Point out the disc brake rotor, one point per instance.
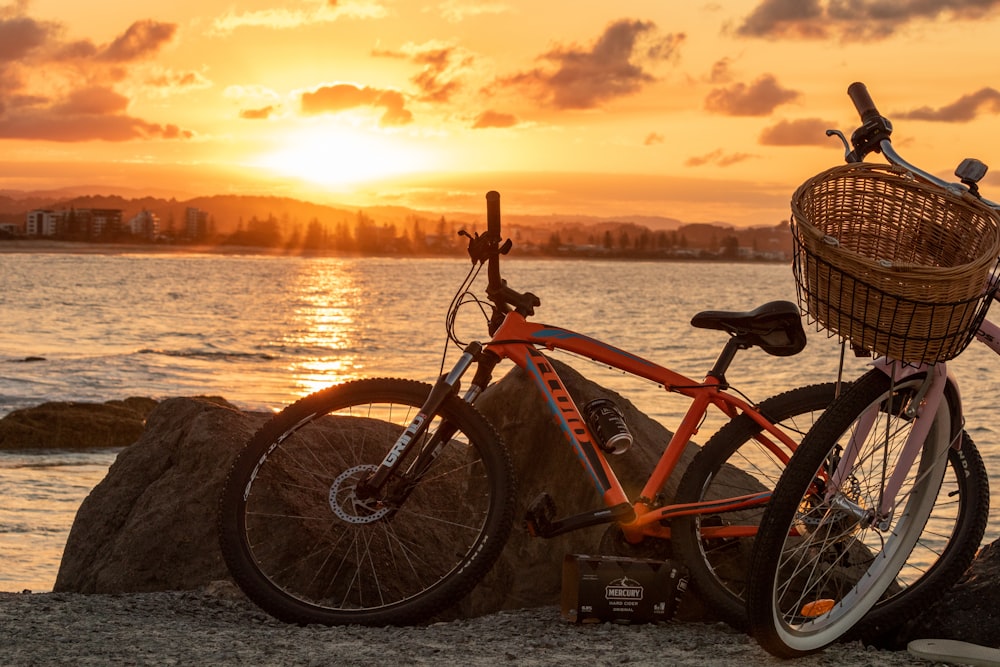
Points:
(344, 500)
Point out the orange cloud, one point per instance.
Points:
(719, 158)
(965, 109)
(308, 13)
(615, 66)
(258, 114)
(94, 100)
(801, 132)
(53, 126)
(21, 35)
(442, 67)
(720, 72)
(757, 99)
(345, 96)
(62, 91)
(141, 39)
(489, 119)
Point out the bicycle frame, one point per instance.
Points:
(518, 340)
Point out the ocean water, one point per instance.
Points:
(263, 331)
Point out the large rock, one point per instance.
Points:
(529, 570)
(149, 525)
(73, 425)
(969, 612)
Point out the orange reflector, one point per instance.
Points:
(817, 608)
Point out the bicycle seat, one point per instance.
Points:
(775, 327)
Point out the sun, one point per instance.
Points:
(333, 156)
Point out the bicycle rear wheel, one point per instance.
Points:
(719, 568)
(738, 460)
(822, 560)
(305, 546)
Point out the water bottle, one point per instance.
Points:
(607, 424)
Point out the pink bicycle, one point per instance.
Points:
(901, 267)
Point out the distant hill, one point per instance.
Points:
(229, 210)
(228, 214)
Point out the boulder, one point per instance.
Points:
(969, 612)
(75, 425)
(528, 572)
(149, 525)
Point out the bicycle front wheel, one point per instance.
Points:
(307, 547)
(827, 550)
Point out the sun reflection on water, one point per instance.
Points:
(325, 326)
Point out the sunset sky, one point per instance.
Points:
(701, 110)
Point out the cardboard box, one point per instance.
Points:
(624, 590)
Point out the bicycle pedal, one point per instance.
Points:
(539, 516)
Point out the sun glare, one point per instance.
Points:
(335, 156)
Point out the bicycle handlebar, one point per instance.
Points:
(495, 282)
(488, 248)
(874, 137)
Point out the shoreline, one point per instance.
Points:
(218, 626)
(27, 246)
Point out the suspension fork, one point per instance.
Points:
(429, 447)
(922, 409)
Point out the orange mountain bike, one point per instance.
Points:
(336, 510)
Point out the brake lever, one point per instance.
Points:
(843, 139)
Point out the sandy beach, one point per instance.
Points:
(217, 626)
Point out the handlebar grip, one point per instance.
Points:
(863, 102)
(493, 213)
(495, 282)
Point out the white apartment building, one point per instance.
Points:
(43, 222)
(145, 224)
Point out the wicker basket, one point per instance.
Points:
(898, 267)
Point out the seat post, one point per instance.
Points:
(733, 345)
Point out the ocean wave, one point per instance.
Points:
(208, 354)
(25, 529)
(57, 458)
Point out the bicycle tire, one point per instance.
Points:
(819, 566)
(718, 568)
(304, 548)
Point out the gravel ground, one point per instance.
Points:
(219, 627)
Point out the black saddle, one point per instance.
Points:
(775, 327)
